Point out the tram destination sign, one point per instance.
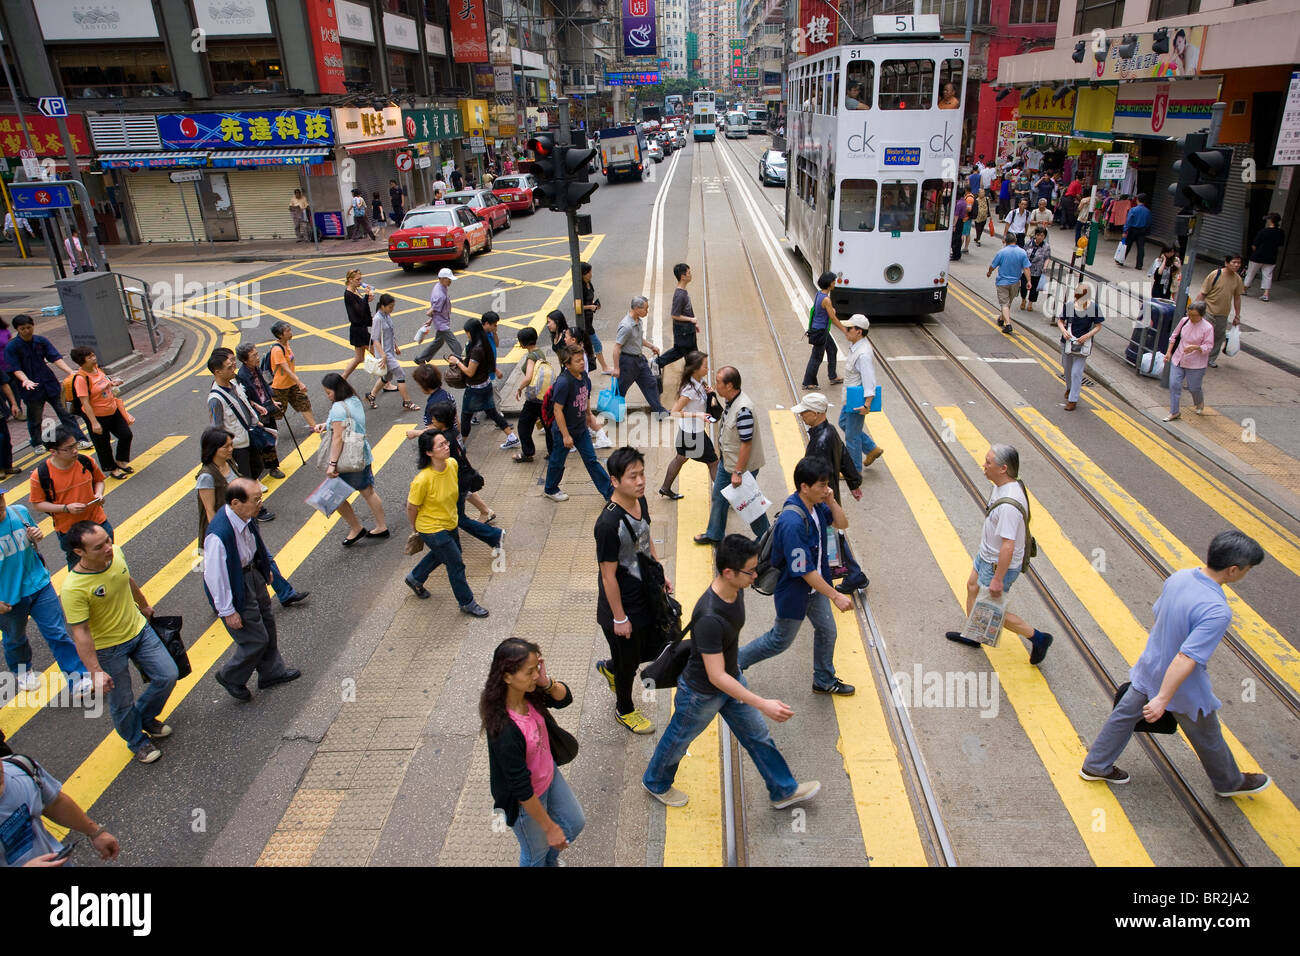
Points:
(901, 156)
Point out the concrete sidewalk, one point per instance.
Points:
(1260, 390)
(1270, 330)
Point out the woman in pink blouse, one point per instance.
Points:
(1188, 354)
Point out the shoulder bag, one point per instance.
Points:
(352, 456)
(1031, 546)
(665, 611)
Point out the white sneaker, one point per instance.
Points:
(85, 445)
(511, 442)
(29, 680)
(83, 687)
(806, 791)
(601, 440)
(558, 496)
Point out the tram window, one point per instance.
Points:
(858, 205)
(833, 88)
(861, 80)
(906, 84)
(950, 84)
(936, 204)
(897, 206)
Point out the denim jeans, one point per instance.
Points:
(692, 713)
(280, 585)
(782, 635)
(444, 548)
(63, 538)
(36, 401)
(856, 439)
(151, 657)
(718, 509)
(582, 442)
(562, 807)
(44, 608)
(479, 400)
(1072, 364)
(476, 529)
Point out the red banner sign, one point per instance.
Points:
(818, 27)
(43, 133)
(323, 23)
(468, 32)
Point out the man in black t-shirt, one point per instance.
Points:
(622, 609)
(712, 684)
(574, 423)
(685, 328)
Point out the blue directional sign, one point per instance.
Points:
(53, 106)
(39, 201)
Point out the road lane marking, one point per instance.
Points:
(1045, 724)
(22, 490)
(1272, 813)
(89, 781)
(1271, 647)
(886, 818)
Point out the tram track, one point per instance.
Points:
(1202, 818)
(917, 778)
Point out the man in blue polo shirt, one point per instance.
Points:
(1136, 224)
(27, 354)
(804, 589)
(1011, 263)
(1192, 614)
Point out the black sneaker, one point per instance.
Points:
(956, 638)
(1114, 776)
(1041, 643)
(839, 689)
(419, 589)
(1250, 783)
(858, 583)
(276, 473)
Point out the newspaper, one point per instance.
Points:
(985, 621)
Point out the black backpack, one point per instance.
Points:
(769, 573)
(47, 483)
(266, 359)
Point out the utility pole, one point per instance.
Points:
(571, 217)
(22, 128)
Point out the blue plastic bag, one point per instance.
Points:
(612, 404)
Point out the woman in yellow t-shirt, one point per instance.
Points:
(431, 509)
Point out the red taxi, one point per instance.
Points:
(484, 205)
(438, 234)
(516, 192)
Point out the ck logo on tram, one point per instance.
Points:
(861, 144)
(942, 142)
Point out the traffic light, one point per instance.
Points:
(577, 188)
(1202, 175)
(545, 167)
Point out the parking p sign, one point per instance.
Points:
(53, 106)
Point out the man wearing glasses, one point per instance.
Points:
(712, 684)
(69, 488)
(236, 572)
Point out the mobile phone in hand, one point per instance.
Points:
(67, 850)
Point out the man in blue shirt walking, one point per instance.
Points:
(1011, 263)
(1136, 225)
(1191, 617)
(804, 590)
(27, 354)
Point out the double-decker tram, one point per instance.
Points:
(704, 115)
(874, 140)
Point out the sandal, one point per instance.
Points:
(411, 406)
(119, 475)
(836, 381)
(126, 468)
(371, 400)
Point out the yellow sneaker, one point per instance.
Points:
(603, 669)
(636, 722)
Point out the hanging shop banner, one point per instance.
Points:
(474, 113)
(400, 32)
(1287, 152)
(639, 28)
(233, 18)
(435, 40)
(102, 20)
(263, 130)
(1166, 110)
(484, 78)
(432, 125)
(818, 28)
(503, 76)
(1094, 112)
(468, 32)
(1183, 59)
(1006, 138)
(1043, 113)
(43, 134)
(633, 79)
(325, 46)
(355, 21)
(365, 125)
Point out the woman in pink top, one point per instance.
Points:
(1194, 337)
(524, 746)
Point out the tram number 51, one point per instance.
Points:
(904, 24)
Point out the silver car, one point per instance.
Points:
(772, 168)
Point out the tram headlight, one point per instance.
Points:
(894, 273)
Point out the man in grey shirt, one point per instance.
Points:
(685, 327)
(629, 358)
(439, 321)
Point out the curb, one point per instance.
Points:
(1105, 377)
(170, 356)
(243, 257)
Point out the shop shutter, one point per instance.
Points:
(261, 200)
(1162, 203)
(160, 205)
(374, 170)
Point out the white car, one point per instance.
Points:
(772, 168)
(654, 151)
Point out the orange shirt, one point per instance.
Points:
(102, 399)
(281, 364)
(74, 485)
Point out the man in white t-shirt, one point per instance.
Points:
(1002, 546)
(987, 175)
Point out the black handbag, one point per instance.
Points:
(564, 746)
(663, 610)
(168, 630)
(1167, 724)
(666, 669)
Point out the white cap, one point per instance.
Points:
(858, 321)
(812, 402)
(446, 274)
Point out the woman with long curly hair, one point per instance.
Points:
(515, 710)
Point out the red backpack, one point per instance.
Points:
(548, 407)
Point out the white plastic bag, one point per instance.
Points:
(1232, 344)
(1153, 364)
(374, 365)
(1120, 252)
(985, 621)
(329, 494)
(746, 498)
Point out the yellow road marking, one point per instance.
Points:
(89, 781)
(23, 489)
(1272, 813)
(1151, 439)
(1050, 733)
(1271, 647)
(693, 833)
(889, 831)
(23, 707)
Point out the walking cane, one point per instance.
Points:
(292, 435)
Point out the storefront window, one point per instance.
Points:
(936, 204)
(1034, 11)
(401, 71)
(1091, 14)
(898, 207)
(126, 69)
(358, 65)
(906, 84)
(858, 205)
(245, 66)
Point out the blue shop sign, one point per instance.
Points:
(261, 130)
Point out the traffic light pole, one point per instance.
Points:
(571, 218)
(1189, 262)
